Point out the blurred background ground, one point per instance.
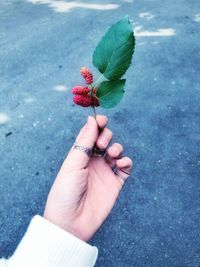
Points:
(43, 44)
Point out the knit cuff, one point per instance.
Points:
(46, 245)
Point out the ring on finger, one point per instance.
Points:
(116, 172)
(85, 149)
(128, 173)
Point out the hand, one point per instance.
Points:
(86, 189)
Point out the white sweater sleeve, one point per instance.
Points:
(46, 245)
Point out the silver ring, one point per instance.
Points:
(85, 149)
(116, 172)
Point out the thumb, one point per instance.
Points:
(88, 134)
(77, 158)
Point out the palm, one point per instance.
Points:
(103, 184)
(103, 188)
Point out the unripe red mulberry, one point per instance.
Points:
(82, 100)
(87, 75)
(80, 90)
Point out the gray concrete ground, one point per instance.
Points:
(156, 221)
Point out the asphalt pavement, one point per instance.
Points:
(43, 44)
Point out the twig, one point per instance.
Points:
(94, 111)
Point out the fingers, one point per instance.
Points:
(115, 150)
(105, 135)
(86, 138)
(88, 134)
(101, 121)
(121, 166)
(78, 159)
(124, 166)
(104, 138)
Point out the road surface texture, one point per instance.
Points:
(43, 44)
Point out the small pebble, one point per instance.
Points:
(8, 134)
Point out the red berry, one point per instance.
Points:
(84, 71)
(82, 100)
(87, 75)
(95, 101)
(80, 90)
(89, 79)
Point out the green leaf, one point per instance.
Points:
(110, 93)
(113, 54)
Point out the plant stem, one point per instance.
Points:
(94, 111)
(97, 81)
(91, 95)
(96, 151)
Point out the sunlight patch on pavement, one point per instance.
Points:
(128, 1)
(21, 116)
(29, 100)
(62, 6)
(4, 118)
(146, 15)
(141, 43)
(197, 17)
(159, 33)
(60, 88)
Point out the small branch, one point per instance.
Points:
(91, 95)
(94, 111)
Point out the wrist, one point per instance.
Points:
(68, 227)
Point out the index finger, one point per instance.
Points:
(102, 121)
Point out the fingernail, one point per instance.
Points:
(103, 142)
